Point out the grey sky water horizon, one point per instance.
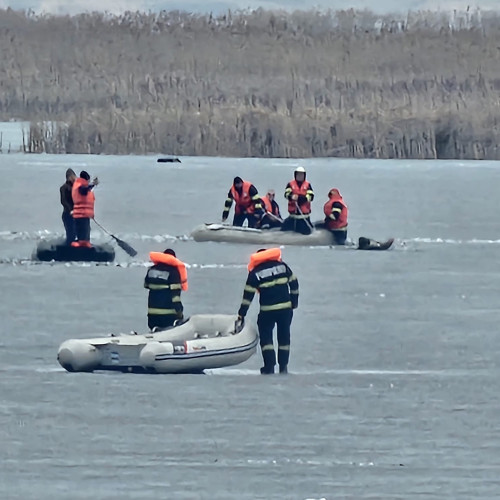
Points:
(63, 7)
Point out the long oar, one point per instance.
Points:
(122, 244)
(302, 213)
(274, 217)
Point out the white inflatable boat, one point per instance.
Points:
(319, 237)
(203, 341)
(235, 234)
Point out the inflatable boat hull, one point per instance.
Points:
(234, 234)
(202, 342)
(57, 250)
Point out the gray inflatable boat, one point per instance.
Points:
(203, 341)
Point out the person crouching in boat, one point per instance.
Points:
(165, 280)
(279, 295)
(271, 217)
(336, 213)
(83, 208)
(299, 194)
(247, 203)
(67, 203)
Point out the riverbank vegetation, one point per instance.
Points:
(255, 83)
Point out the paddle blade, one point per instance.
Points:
(126, 247)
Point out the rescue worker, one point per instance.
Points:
(247, 203)
(336, 213)
(299, 194)
(272, 216)
(165, 280)
(279, 295)
(67, 203)
(83, 208)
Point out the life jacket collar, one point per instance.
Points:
(170, 260)
(258, 258)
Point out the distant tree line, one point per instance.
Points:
(255, 83)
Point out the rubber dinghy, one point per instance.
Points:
(235, 234)
(49, 250)
(319, 237)
(203, 341)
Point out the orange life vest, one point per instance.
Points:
(267, 204)
(83, 204)
(170, 260)
(260, 257)
(341, 221)
(243, 202)
(302, 190)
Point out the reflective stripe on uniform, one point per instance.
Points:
(279, 281)
(284, 347)
(250, 289)
(337, 213)
(267, 347)
(246, 302)
(176, 298)
(157, 287)
(299, 216)
(277, 307)
(155, 310)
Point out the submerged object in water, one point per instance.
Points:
(371, 244)
(168, 160)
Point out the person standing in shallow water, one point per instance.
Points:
(67, 203)
(165, 280)
(279, 295)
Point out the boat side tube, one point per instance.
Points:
(79, 356)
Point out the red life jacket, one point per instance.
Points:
(341, 221)
(243, 202)
(302, 190)
(83, 204)
(260, 257)
(170, 260)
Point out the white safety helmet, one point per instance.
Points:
(300, 169)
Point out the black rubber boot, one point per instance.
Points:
(269, 357)
(267, 370)
(283, 369)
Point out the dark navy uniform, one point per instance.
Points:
(247, 203)
(164, 302)
(279, 295)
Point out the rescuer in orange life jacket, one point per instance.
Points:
(336, 213)
(272, 216)
(299, 194)
(279, 294)
(83, 208)
(248, 204)
(165, 280)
